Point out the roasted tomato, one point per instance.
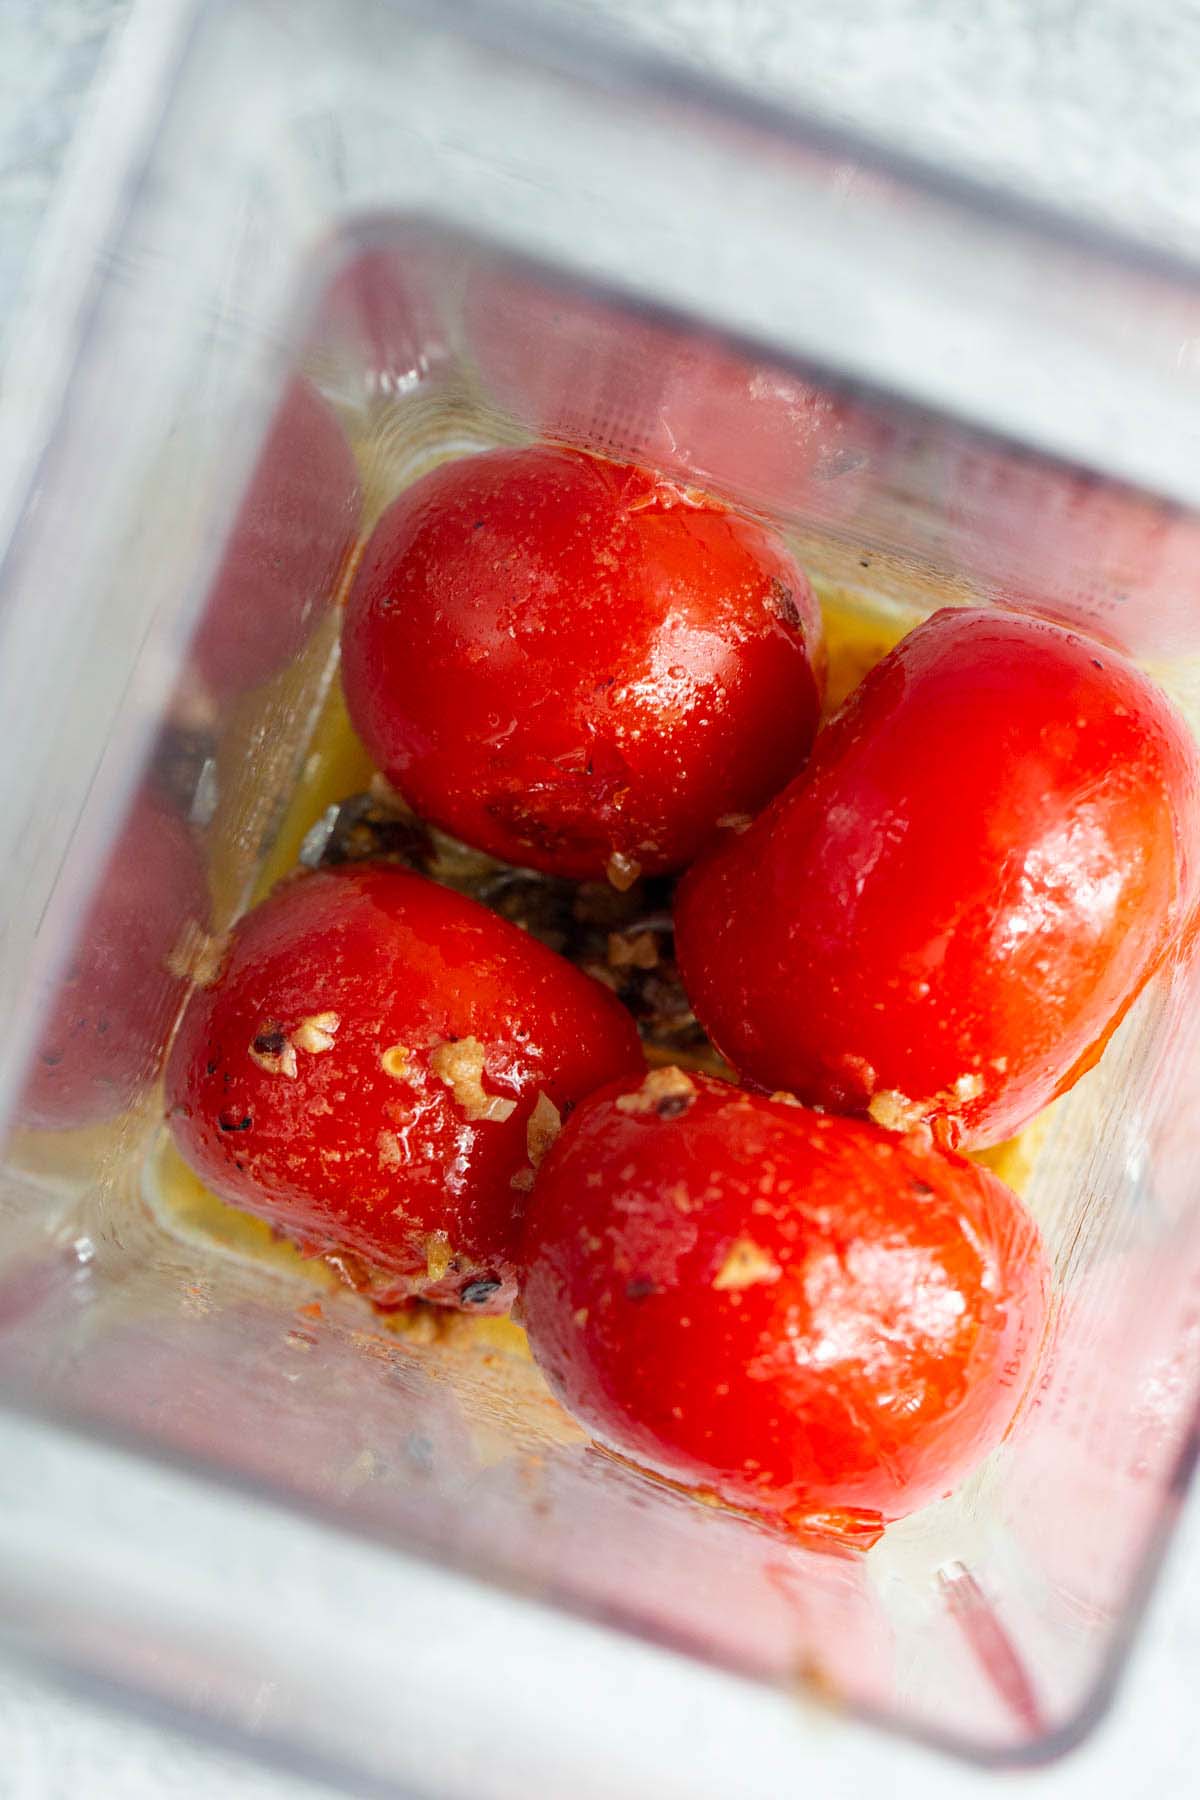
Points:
(804, 1314)
(950, 911)
(376, 1071)
(576, 666)
(113, 1007)
(287, 548)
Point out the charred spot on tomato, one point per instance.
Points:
(640, 1288)
(480, 1291)
(548, 829)
(270, 1042)
(226, 1123)
(783, 604)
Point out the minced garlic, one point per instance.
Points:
(895, 1111)
(667, 1092)
(459, 1063)
(632, 950)
(394, 1061)
(622, 871)
(545, 1123)
(438, 1255)
(746, 1265)
(316, 1033)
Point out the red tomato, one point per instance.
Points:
(806, 1314)
(950, 911)
(289, 542)
(111, 1012)
(564, 660)
(373, 1068)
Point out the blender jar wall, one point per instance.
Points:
(340, 198)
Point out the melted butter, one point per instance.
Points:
(857, 636)
(1014, 1161)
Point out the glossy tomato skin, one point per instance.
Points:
(336, 1079)
(561, 659)
(994, 843)
(806, 1314)
(292, 535)
(115, 1002)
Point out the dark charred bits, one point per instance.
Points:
(225, 1123)
(575, 919)
(639, 1288)
(212, 1065)
(671, 1105)
(270, 1042)
(1096, 663)
(367, 828)
(922, 1190)
(475, 1293)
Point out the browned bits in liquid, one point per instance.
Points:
(622, 871)
(632, 950)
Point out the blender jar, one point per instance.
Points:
(347, 241)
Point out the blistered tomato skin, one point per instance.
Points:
(805, 1314)
(994, 844)
(123, 983)
(291, 538)
(564, 660)
(363, 1074)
